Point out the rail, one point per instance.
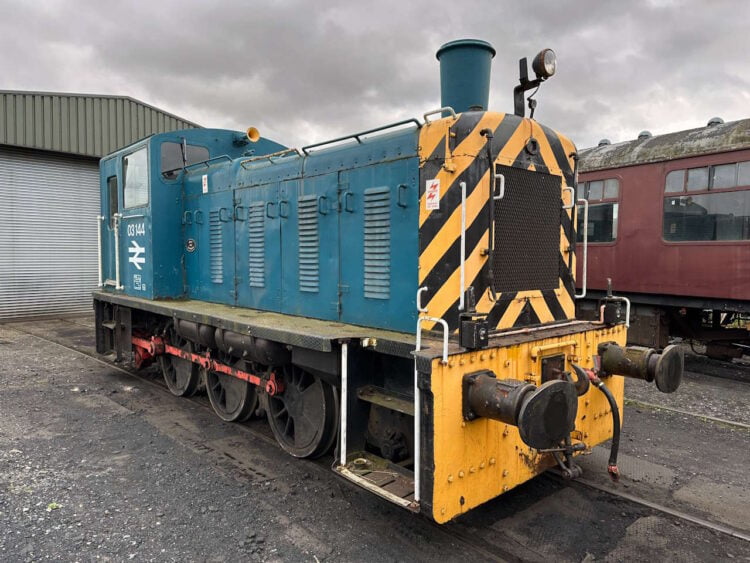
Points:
(99, 221)
(417, 394)
(270, 157)
(356, 136)
(439, 110)
(207, 163)
(461, 297)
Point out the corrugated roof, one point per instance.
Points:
(723, 137)
(84, 124)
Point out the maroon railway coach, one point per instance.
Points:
(669, 223)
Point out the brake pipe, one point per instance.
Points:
(612, 469)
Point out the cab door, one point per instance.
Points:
(109, 221)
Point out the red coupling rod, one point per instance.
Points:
(156, 346)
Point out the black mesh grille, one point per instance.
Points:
(527, 231)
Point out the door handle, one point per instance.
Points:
(322, 209)
(187, 218)
(269, 204)
(239, 215)
(401, 201)
(349, 202)
(283, 204)
(198, 216)
(224, 215)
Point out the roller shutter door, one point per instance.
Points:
(48, 208)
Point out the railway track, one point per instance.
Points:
(500, 548)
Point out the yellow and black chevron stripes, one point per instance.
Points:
(453, 151)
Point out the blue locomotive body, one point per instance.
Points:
(320, 235)
(406, 293)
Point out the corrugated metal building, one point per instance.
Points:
(50, 145)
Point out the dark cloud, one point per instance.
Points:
(304, 71)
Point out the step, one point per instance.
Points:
(381, 397)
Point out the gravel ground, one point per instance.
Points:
(98, 465)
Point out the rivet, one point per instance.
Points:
(483, 357)
(505, 472)
(481, 465)
(507, 363)
(506, 488)
(450, 478)
(442, 510)
(506, 431)
(463, 424)
(450, 364)
(492, 355)
(588, 402)
(492, 461)
(460, 474)
(472, 469)
(585, 434)
(461, 362)
(472, 359)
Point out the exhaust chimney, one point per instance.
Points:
(465, 74)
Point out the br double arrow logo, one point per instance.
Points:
(137, 254)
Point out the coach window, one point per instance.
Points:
(173, 159)
(135, 178)
(714, 206)
(603, 196)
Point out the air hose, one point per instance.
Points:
(614, 473)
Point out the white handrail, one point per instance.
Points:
(117, 217)
(418, 397)
(461, 304)
(344, 396)
(99, 221)
(585, 204)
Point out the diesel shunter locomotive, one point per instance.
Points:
(403, 296)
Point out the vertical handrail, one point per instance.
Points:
(461, 303)
(99, 221)
(117, 217)
(418, 396)
(585, 204)
(344, 396)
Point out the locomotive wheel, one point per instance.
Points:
(182, 377)
(304, 417)
(233, 399)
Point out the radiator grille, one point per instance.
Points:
(527, 231)
(377, 243)
(256, 245)
(216, 263)
(309, 244)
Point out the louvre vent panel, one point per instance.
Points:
(216, 264)
(48, 209)
(377, 243)
(309, 244)
(256, 251)
(527, 231)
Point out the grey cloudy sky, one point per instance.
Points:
(307, 71)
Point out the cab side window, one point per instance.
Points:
(135, 178)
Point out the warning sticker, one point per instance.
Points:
(205, 183)
(432, 195)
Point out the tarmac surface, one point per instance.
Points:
(97, 464)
